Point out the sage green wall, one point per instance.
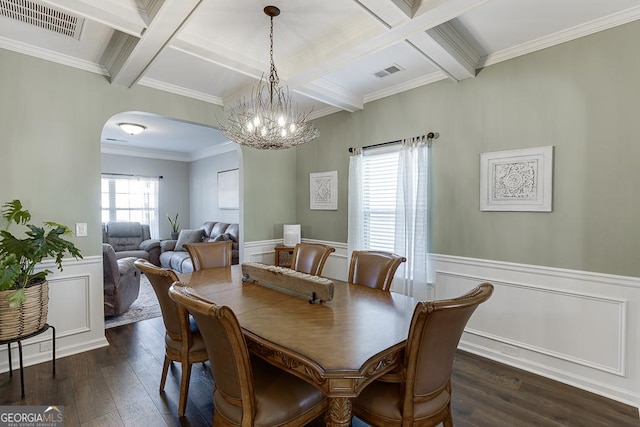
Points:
(51, 118)
(269, 192)
(582, 97)
(203, 188)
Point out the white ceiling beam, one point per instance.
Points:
(449, 50)
(136, 58)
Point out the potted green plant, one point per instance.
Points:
(24, 291)
(175, 227)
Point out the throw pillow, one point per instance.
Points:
(221, 238)
(188, 236)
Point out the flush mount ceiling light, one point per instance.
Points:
(269, 120)
(131, 128)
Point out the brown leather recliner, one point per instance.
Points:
(121, 281)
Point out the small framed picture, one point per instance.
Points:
(517, 180)
(324, 190)
(229, 189)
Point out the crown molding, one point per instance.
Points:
(179, 90)
(225, 147)
(405, 86)
(573, 33)
(106, 148)
(316, 114)
(109, 148)
(49, 55)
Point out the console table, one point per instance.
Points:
(19, 341)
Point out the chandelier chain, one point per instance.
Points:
(273, 74)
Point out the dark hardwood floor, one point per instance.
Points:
(118, 386)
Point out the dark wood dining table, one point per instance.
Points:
(339, 346)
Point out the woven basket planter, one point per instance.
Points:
(29, 317)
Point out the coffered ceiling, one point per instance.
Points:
(335, 55)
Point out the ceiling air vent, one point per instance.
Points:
(46, 17)
(389, 70)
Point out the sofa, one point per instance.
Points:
(121, 281)
(174, 256)
(131, 239)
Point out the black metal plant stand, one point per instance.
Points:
(19, 341)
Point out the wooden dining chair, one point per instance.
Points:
(310, 257)
(419, 394)
(209, 254)
(374, 269)
(183, 341)
(248, 391)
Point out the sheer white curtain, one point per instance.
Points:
(355, 227)
(412, 231)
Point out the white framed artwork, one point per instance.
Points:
(323, 190)
(517, 180)
(229, 189)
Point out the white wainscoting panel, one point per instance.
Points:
(65, 292)
(577, 327)
(75, 310)
(522, 315)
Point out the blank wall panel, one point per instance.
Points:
(69, 304)
(547, 321)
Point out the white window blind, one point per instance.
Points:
(380, 175)
(131, 198)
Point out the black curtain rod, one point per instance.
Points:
(130, 174)
(430, 136)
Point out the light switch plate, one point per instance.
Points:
(81, 229)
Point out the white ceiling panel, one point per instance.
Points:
(501, 24)
(327, 51)
(360, 76)
(191, 72)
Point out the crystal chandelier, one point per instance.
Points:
(269, 120)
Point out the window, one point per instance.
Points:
(380, 176)
(130, 198)
(389, 208)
